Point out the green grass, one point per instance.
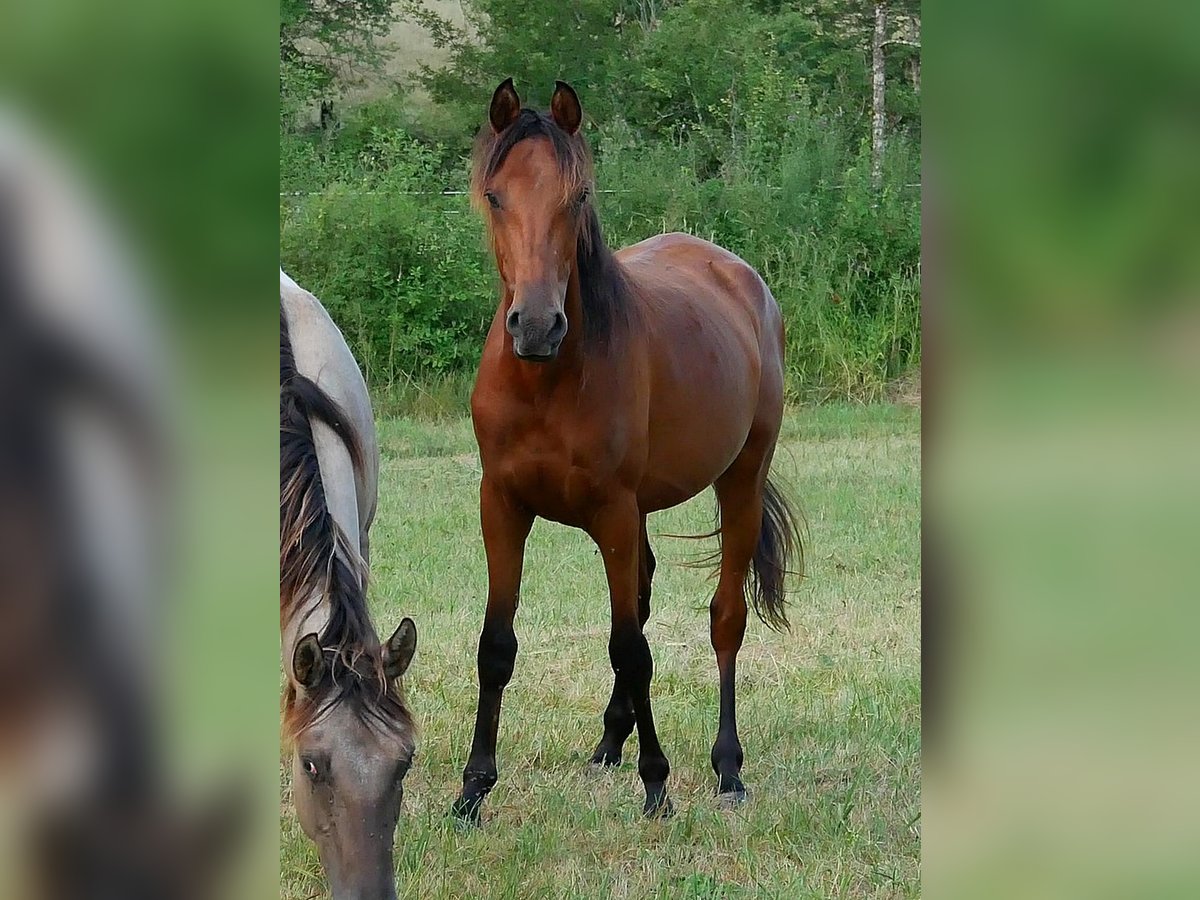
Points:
(829, 714)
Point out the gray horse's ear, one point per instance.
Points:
(399, 649)
(308, 662)
(565, 108)
(506, 106)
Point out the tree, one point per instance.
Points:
(878, 87)
(535, 41)
(327, 38)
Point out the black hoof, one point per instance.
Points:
(730, 792)
(466, 810)
(658, 805)
(606, 758)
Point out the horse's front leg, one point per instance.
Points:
(506, 525)
(617, 532)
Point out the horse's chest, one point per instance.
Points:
(561, 474)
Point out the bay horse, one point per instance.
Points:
(613, 385)
(344, 711)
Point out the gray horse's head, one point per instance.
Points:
(353, 742)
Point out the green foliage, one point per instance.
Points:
(404, 275)
(842, 262)
(761, 146)
(317, 38)
(535, 41)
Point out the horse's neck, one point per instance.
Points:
(321, 353)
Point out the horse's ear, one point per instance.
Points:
(308, 662)
(506, 105)
(565, 108)
(399, 649)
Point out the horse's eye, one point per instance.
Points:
(310, 769)
(492, 199)
(583, 197)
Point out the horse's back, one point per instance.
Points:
(322, 355)
(677, 262)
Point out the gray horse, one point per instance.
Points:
(344, 709)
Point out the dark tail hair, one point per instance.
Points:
(779, 549)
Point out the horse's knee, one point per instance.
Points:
(497, 656)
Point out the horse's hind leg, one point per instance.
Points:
(618, 716)
(615, 529)
(740, 498)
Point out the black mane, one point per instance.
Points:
(314, 556)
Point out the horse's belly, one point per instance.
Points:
(680, 479)
(691, 446)
(704, 396)
(658, 493)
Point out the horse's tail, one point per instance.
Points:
(779, 551)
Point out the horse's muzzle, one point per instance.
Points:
(536, 338)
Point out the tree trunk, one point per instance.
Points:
(877, 93)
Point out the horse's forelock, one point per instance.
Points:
(570, 152)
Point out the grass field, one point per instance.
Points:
(829, 714)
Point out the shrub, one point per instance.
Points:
(762, 150)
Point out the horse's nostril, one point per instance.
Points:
(558, 329)
(513, 322)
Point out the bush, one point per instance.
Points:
(404, 275)
(762, 151)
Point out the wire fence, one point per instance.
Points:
(409, 193)
(827, 187)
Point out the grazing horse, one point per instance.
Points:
(344, 709)
(613, 385)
